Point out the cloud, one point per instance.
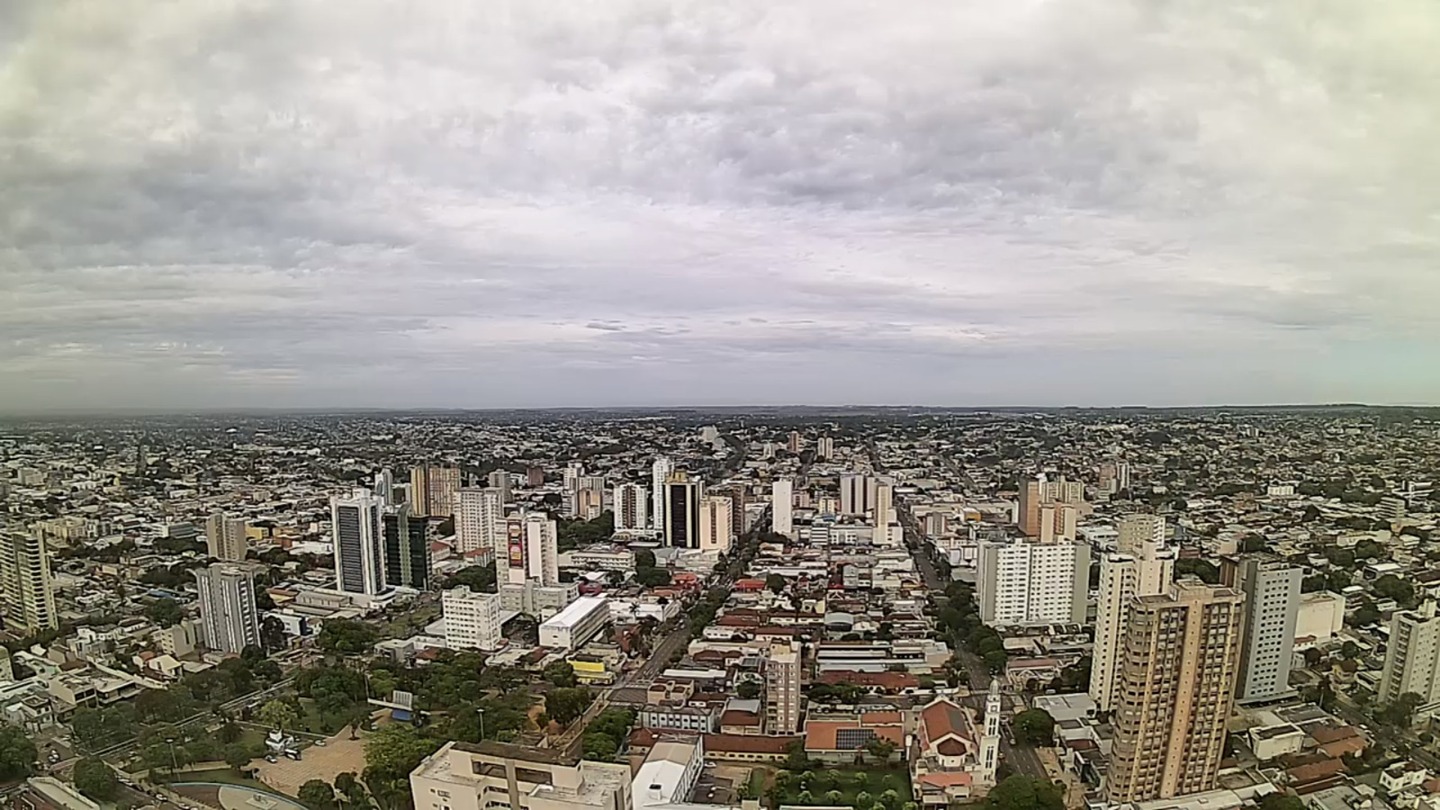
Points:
(207, 203)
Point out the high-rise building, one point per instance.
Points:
(1031, 583)
(532, 550)
(1142, 566)
(432, 490)
(1412, 659)
(1028, 509)
(857, 494)
(385, 486)
(407, 549)
(782, 688)
(1267, 629)
(824, 448)
(738, 498)
(472, 620)
(480, 520)
(628, 504)
(225, 537)
(782, 500)
(1114, 476)
(1058, 521)
(883, 512)
(359, 543)
(682, 510)
(589, 503)
(1180, 663)
(499, 479)
(795, 443)
(534, 477)
(229, 620)
(716, 532)
(659, 474)
(25, 583)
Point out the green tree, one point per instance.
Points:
(237, 755)
(1194, 566)
(1401, 711)
(278, 714)
(346, 637)
(165, 612)
(879, 748)
(775, 583)
(352, 789)
(393, 751)
(1349, 650)
(564, 705)
(317, 795)
(1021, 792)
(478, 578)
(96, 780)
(748, 690)
(995, 660)
(17, 754)
(644, 558)
(864, 799)
(561, 673)
(1393, 587)
(599, 747)
(1034, 727)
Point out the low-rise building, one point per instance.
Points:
(465, 776)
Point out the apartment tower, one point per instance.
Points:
(225, 537)
(432, 490)
(628, 503)
(1267, 640)
(229, 619)
(1412, 660)
(359, 543)
(782, 507)
(1141, 566)
(480, 520)
(1181, 661)
(682, 511)
(782, 688)
(25, 583)
(659, 475)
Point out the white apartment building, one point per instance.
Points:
(857, 494)
(659, 474)
(1412, 660)
(1268, 617)
(629, 504)
(883, 509)
(472, 620)
(480, 520)
(782, 687)
(25, 586)
(536, 556)
(1030, 583)
(1141, 566)
(229, 619)
(716, 530)
(782, 507)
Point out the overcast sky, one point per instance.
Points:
(497, 203)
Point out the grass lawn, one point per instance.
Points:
(820, 786)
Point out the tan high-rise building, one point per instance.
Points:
(795, 443)
(782, 688)
(25, 589)
(1181, 661)
(1049, 509)
(1142, 566)
(225, 538)
(716, 532)
(1032, 494)
(432, 490)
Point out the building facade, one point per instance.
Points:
(1412, 660)
(225, 538)
(480, 520)
(1145, 567)
(229, 620)
(629, 502)
(716, 532)
(407, 549)
(682, 511)
(1031, 583)
(782, 505)
(659, 475)
(1267, 642)
(782, 688)
(432, 490)
(359, 543)
(1177, 688)
(472, 620)
(25, 585)
(491, 775)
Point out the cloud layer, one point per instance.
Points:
(209, 203)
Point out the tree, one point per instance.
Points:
(351, 789)
(1401, 712)
(237, 755)
(317, 795)
(278, 714)
(1393, 587)
(392, 752)
(644, 558)
(17, 754)
(478, 578)
(561, 673)
(775, 583)
(564, 705)
(864, 799)
(95, 779)
(879, 748)
(795, 759)
(652, 577)
(165, 612)
(1349, 650)
(1313, 583)
(272, 635)
(995, 660)
(599, 747)
(1021, 792)
(748, 690)
(1194, 566)
(1034, 727)
(346, 636)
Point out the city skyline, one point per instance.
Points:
(665, 202)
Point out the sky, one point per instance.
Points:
(527, 203)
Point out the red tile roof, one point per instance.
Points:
(748, 743)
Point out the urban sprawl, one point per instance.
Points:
(878, 610)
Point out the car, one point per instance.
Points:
(320, 743)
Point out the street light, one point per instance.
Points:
(174, 764)
(481, 712)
